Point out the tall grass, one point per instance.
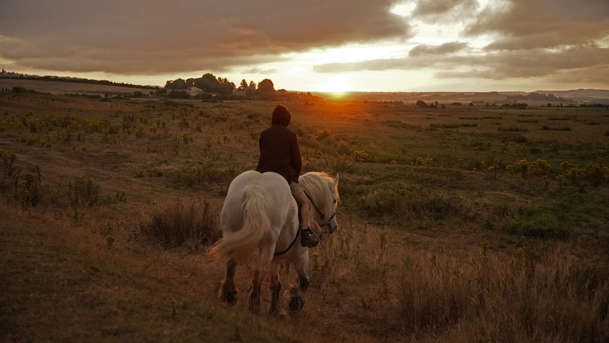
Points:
(495, 298)
(193, 226)
(524, 296)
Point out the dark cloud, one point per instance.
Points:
(596, 76)
(446, 48)
(154, 36)
(534, 39)
(528, 24)
(497, 66)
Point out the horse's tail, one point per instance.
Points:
(241, 244)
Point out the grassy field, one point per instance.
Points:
(61, 87)
(462, 223)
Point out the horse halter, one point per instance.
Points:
(326, 223)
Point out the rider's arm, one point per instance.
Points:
(260, 158)
(296, 159)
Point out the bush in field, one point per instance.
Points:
(7, 164)
(27, 189)
(545, 226)
(361, 156)
(83, 192)
(421, 161)
(194, 226)
(410, 204)
(525, 168)
(421, 103)
(23, 188)
(595, 174)
(19, 89)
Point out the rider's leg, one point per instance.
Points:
(309, 237)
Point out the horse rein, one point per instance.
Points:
(299, 229)
(319, 212)
(291, 244)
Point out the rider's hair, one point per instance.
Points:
(281, 116)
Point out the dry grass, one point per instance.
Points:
(58, 87)
(549, 296)
(438, 241)
(194, 226)
(502, 299)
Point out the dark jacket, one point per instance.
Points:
(279, 152)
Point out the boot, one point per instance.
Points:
(308, 238)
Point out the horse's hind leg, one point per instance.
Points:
(229, 292)
(297, 299)
(255, 294)
(264, 261)
(275, 288)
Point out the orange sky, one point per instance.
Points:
(340, 45)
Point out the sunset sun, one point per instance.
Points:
(337, 85)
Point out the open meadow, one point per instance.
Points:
(456, 222)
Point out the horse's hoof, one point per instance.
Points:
(296, 304)
(229, 295)
(230, 298)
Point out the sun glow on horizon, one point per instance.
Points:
(338, 85)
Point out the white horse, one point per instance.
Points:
(259, 223)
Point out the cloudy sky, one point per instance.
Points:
(323, 45)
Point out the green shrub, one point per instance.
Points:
(387, 201)
(23, 188)
(595, 174)
(544, 226)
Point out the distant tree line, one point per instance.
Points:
(209, 85)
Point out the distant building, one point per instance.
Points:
(194, 91)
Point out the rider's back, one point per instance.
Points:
(279, 153)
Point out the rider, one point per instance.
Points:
(279, 153)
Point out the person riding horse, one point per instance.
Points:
(279, 153)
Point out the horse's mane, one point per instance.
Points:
(317, 181)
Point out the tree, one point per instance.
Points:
(177, 84)
(266, 88)
(208, 83)
(243, 85)
(251, 89)
(421, 103)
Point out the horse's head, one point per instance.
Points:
(333, 204)
(324, 198)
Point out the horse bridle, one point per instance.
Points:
(327, 223)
